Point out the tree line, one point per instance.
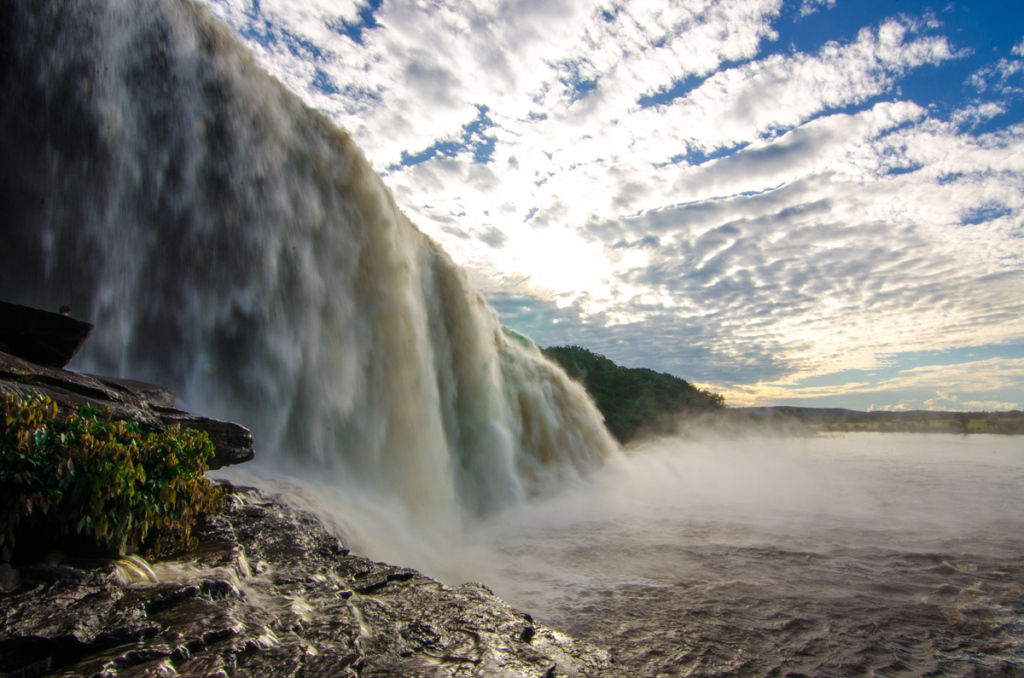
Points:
(633, 400)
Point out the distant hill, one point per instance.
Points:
(639, 401)
(836, 419)
(633, 400)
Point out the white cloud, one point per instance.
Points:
(999, 77)
(811, 147)
(951, 387)
(975, 114)
(780, 92)
(955, 404)
(811, 6)
(590, 176)
(430, 66)
(970, 377)
(1018, 49)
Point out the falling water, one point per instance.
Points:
(235, 245)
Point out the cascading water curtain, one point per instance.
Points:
(233, 244)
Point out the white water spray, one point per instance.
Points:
(233, 244)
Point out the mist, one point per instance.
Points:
(818, 495)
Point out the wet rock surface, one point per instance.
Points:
(148, 404)
(270, 593)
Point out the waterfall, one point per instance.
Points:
(232, 243)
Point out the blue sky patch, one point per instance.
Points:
(354, 30)
(896, 171)
(679, 89)
(576, 85)
(473, 139)
(262, 31)
(323, 83)
(983, 213)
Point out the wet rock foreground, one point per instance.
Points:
(269, 592)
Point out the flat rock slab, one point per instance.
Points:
(269, 593)
(148, 404)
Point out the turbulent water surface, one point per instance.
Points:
(867, 554)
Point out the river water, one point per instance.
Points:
(862, 554)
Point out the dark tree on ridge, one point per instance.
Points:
(633, 400)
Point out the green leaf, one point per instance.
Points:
(107, 478)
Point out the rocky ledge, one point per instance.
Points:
(269, 593)
(150, 405)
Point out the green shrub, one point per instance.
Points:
(84, 477)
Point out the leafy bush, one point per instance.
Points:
(633, 400)
(111, 484)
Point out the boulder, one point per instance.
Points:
(41, 337)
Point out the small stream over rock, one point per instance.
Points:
(270, 593)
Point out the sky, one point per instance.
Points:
(789, 202)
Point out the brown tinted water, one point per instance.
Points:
(868, 554)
